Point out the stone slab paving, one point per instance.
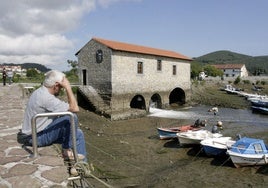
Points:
(17, 168)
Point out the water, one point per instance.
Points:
(238, 121)
(226, 114)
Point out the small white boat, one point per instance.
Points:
(231, 90)
(248, 152)
(217, 146)
(195, 137)
(169, 133)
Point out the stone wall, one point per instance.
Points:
(125, 78)
(98, 74)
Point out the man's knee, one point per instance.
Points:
(80, 133)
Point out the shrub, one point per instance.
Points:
(237, 80)
(246, 81)
(263, 82)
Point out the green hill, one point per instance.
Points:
(254, 64)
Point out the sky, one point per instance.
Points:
(50, 32)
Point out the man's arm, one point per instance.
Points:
(73, 106)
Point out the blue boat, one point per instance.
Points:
(217, 146)
(248, 152)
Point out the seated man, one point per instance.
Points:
(51, 130)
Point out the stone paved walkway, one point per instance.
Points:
(17, 168)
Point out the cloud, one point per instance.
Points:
(35, 31)
(106, 3)
(41, 17)
(34, 45)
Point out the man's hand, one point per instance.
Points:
(65, 83)
(73, 106)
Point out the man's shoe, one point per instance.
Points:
(68, 155)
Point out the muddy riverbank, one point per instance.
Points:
(128, 153)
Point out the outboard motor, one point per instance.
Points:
(238, 137)
(197, 123)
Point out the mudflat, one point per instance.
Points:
(129, 153)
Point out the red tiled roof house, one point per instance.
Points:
(127, 76)
(233, 70)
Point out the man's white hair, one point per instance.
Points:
(53, 76)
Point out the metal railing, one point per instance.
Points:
(53, 114)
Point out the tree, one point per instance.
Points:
(212, 71)
(196, 68)
(72, 75)
(32, 73)
(73, 65)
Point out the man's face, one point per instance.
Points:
(57, 88)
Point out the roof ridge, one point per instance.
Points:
(122, 46)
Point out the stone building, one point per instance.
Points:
(117, 77)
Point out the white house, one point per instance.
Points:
(233, 70)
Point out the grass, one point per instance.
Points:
(210, 94)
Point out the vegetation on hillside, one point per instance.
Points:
(255, 65)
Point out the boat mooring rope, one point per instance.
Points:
(84, 171)
(197, 153)
(113, 157)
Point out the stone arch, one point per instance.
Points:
(177, 96)
(138, 101)
(156, 101)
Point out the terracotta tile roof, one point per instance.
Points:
(120, 46)
(229, 66)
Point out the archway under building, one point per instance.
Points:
(138, 102)
(156, 101)
(177, 96)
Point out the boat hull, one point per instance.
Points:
(212, 151)
(166, 134)
(260, 103)
(186, 141)
(170, 133)
(262, 110)
(217, 146)
(195, 137)
(240, 160)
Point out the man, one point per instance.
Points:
(4, 74)
(57, 129)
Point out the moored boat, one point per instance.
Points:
(171, 132)
(260, 102)
(258, 109)
(195, 137)
(248, 152)
(217, 146)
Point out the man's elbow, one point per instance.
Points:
(74, 109)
